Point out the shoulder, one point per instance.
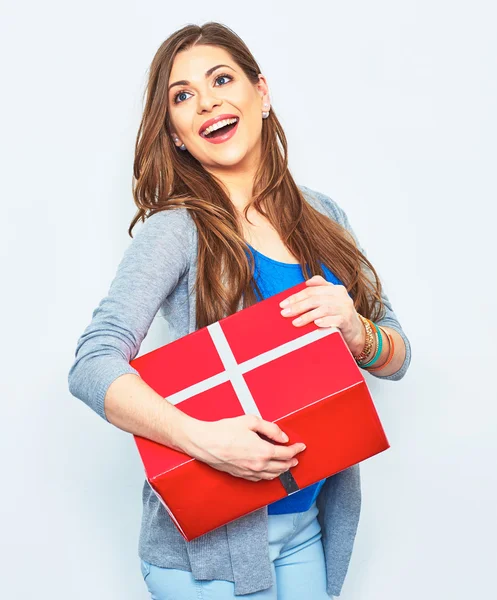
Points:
(165, 225)
(324, 204)
(164, 236)
(172, 217)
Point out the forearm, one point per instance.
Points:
(133, 406)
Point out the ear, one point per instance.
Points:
(263, 89)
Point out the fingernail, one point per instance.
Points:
(304, 446)
(284, 436)
(284, 303)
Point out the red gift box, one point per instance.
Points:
(256, 361)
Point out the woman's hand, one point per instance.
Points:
(234, 446)
(328, 305)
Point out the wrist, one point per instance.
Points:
(370, 354)
(358, 345)
(375, 353)
(189, 436)
(181, 431)
(367, 340)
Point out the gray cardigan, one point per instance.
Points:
(157, 272)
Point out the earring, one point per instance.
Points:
(182, 147)
(265, 114)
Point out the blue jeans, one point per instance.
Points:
(297, 560)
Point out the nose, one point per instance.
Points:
(206, 102)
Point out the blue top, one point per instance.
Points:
(273, 277)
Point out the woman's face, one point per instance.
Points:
(211, 93)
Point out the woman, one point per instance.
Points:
(225, 226)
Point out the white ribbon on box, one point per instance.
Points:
(234, 371)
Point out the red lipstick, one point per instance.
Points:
(220, 138)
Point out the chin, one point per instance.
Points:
(230, 157)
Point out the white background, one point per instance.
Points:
(389, 108)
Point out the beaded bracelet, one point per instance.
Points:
(390, 354)
(379, 347)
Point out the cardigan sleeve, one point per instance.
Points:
(152, 265)
(390, 318)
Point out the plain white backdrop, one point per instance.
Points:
(389, 108)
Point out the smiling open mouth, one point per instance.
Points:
(220, 131)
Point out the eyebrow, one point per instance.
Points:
(207, 74)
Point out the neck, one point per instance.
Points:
(238, 180)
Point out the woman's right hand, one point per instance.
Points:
(234, 446)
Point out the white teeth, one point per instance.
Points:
(218, 125)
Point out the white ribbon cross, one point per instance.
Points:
(234, 371)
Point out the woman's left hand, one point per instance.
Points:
(328, 305)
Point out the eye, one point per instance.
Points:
(180, 93)
(176, 101)
(223, 76)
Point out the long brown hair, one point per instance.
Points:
(166, 178)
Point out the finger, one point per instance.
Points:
(288, 452)
(247, 474)
(250, 477)
(338, 321)
(320, 320)
(329, 321)
(318, 280)
(318, 287)
(309, 298)
(258, 476)
(270, 430)
(310, 316)
(268, 476)
(307, 304)
(280, 466)
(274, 472)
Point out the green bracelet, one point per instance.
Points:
(378, 351)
